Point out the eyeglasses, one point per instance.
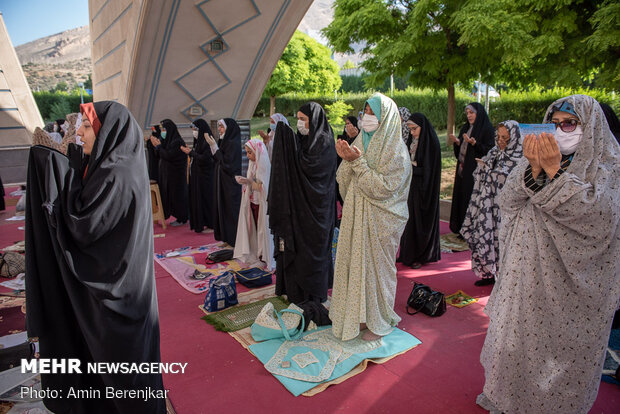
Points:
(567, 126)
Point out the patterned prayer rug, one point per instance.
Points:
(183, 262)
(309, 365)
(241, 316)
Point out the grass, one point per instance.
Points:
(448, 161)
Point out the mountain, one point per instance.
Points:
(61, 57)
(60, 48)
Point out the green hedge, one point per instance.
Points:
(525, 107)
(56, 105)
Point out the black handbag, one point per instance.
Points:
(219, 256)
(12, 357)
(424, 299)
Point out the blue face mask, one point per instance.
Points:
(163, 135)
(272, 126)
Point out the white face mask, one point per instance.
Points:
(301, 127)
(195, 133)
(370, 123)
(78, 140)
(65, 126)
(568, 141)
(55, 128)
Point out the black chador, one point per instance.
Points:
(173, 173)
(201, 180)
(420, 241)
(227, 190)
(89, 263)
(484, 133)
(302, 202)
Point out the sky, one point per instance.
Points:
(28, 20)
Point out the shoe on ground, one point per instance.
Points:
(485, 282)
(177, 223)
(416, 265)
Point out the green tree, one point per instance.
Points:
(348, 65)
(604, 43)
(337, 111)
(543, 41)
(88, 83)
(61, 87)
(439, 44)
(305, 66)
(408, 38)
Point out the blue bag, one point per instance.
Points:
(253, 277)
(222, 293)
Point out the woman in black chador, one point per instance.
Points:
(200, 179)
(475, 139)
(152, 158)
(89, 263)
(302, 202)
(420, 241)
(172, 172)
(227, 157)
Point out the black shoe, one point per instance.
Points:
(416, 265)
(485, 281)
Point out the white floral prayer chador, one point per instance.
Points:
(551, 309)
(254, 240)
(374, 188)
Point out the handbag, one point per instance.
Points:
(424, 299)
(12, 356)
(12, 264)
(287, 323)
(222, 293)
(253, 277)
(219, 256)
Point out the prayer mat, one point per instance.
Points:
(296, 364)
(612, 359)
(451, 243)
(460, 299)
(183, 262)
(241, 316)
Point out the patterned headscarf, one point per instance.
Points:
(598, 151)
(404, 116)
(500, 163)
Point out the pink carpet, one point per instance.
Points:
(442, 375)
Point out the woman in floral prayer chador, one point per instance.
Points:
(374, 183)
(481, 226)
(559, 277)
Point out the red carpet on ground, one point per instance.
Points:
(442, 375)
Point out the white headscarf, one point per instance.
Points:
(251, 244)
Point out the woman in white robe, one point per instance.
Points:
(254, 240)
(559, 276)
(374, 181)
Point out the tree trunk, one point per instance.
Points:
(272, 105)
(451, 110)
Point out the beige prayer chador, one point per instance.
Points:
(375, 189)
(559, 283)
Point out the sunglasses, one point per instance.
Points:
(567, 126)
